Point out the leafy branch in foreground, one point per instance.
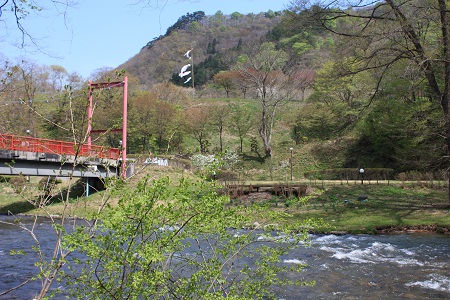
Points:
(180, 242)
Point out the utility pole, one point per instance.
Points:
(183, 72)
(193, 85)
(290, 161)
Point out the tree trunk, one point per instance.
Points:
(266, 141)
(447, 143)
(220, 138)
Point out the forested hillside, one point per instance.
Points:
(311, 82)
(209, 36)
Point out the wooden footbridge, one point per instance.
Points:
(283, 189)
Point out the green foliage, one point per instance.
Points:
(186, 20)
(162, 242)
(5, 178)
(236, 15)
(18, 183)
(300, 31)
(194, 26)
(317, 121)
(350, 174)
(401, 132)
(336, 104)
(240, 121)
(47, 184)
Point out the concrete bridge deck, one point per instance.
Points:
(47, 164)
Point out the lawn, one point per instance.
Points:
(364, 208)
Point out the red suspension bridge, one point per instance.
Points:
(43, 157)
(46, 146)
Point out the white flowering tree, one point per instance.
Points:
(230, 159)
(210, 164)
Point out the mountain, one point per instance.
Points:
(207, 36)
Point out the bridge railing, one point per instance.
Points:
(30, 144)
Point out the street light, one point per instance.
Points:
(290, 160)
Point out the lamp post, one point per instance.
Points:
(361, 172)
(290, 160)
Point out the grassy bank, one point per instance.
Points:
(353, 208)
(365, 208)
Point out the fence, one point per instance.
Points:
(30, 144)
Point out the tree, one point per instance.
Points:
(166, 124)
(218, 116)
(153, 122)
(226, 80)
(13, 110)
(236, 16)
(171, 93)
(164, 241)
(318, 121)
(385, 34)
(20, 10)
(141, 120)
(26, 88)
(242, 84)
(336, 102)
(241, 121)
(198, 120)
(58, 78)
(185, 21)
(262, 70)
(399, 132)
(304, 80)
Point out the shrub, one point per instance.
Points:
(18, 183)
(46, 184)
(350, 174)
(5, 178)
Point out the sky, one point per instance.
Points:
(105, 33)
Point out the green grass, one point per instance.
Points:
(385, 206)
(339, 207)
(79, 205)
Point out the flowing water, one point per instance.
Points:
(404, 266)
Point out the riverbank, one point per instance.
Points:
(413, 229)
(356, 208)
(368, 209)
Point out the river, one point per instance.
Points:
(400, 266)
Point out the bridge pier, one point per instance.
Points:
(94, 183)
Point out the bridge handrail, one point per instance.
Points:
(30, 144)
